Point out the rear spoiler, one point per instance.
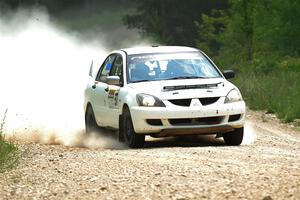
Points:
(91, 69)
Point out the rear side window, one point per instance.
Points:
(105, 68)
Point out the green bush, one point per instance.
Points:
(8, 151)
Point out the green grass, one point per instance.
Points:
(275, 90)
(8, 151)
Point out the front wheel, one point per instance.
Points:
(235, 137)
(90, 121)
(132, 139)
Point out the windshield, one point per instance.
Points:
(168, 66)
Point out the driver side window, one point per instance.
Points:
(105, 68)
(117, 69)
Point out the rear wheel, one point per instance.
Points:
(90, 122)
(132, 139)
(235, 137)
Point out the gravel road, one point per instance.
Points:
(183, 168)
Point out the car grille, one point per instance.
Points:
(181, 102)
(196, 121)
(187, 102)
(209, 100)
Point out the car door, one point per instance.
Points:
(99, 90)
(112, 94)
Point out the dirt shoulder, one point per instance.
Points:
(193, 168)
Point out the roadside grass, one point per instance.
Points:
(9, 156)
(276, 91)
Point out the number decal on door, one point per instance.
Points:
(113, 92)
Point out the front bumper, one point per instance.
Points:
(178, 120)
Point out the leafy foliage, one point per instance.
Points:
(260, 40)
(209, 31)
(8, 151)
(255, 29)
(171, 21)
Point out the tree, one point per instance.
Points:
(171, 21)
(209, 31)
(252, 31)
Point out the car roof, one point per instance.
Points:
(157, 49)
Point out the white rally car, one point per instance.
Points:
(163, 91)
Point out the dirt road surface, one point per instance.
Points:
(193, 168)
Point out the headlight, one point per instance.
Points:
(149, 100)
(233, 96)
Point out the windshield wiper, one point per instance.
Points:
(185, 77)
(138, 81)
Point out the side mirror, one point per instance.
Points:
(113, 80)
(228, 74)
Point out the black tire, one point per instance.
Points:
(235, 137)
(131, 138)
(121, 131)
(90, 121)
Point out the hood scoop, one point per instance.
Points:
(198, 86)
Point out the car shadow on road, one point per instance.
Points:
(184, 141)
(111, 136)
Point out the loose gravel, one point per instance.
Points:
(182, 168)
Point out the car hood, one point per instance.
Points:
(185, 88)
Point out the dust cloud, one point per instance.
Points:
(249, 134)
(43, 72)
